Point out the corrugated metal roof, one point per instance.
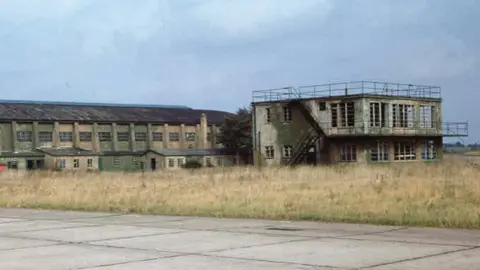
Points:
(105, 113)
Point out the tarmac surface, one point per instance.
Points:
(50, 240)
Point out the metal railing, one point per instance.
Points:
(348, 89)
(364, 128)
(286, 93)
(455, 129)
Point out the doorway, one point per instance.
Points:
(153, 164)
(34, 164)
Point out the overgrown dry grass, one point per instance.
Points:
(445, 194)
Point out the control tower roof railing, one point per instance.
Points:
(347, 89)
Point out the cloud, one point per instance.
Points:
(249, 17)
(24, 11)
(213, 53)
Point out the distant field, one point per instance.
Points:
(439, 194)
(473, 153)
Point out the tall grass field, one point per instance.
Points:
(443, 194)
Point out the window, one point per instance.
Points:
(426, 116)
(209, 136)
(24, 136)
(174, 136)
(348, 153)
(171, 162)
(123, 136)
(140, 136)
(89, 163)
(334, 115)
(403, 115)
(180, 162)
(105, 136)
(405, 150)
(268, 114)
(76, 163)
(345, 112)
(269, 152)
(116, 161)
(135, 161)
(190, 136)
(13, 164)
(429, 150)
(45, 136)
(287, 114)
(85, 136)
(322, 105)
(378, 114)
(379, 151)
(287, 151)
(62, 164)
(220, 161)
(208, 161)
(65, 136)
(157, 136)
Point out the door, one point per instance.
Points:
(153, 164)
(100, 164)
(31, 164)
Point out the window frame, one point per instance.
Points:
(174, 136)
(269, 152)
(65, 136)
(24, 136)
(103, 137)
(348, 153)
(123, 136)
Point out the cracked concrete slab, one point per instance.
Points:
(62, 257)
(196, 241)
(194, 262)
(131, 219)
(94, 233)
(8, 243)
(336, 252)
(38, 239)
(463, 260)
(37, 225)
(428, 236)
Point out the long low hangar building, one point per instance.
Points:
(64, 135)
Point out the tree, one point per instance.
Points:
(236, 132)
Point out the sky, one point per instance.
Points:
(212, 54)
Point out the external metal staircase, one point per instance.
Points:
(313, 135)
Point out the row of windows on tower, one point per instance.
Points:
(47, 136)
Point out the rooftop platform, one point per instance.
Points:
(348, 89)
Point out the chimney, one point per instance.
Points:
(203, 131)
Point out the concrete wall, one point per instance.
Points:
(54, 162)
(276, 133)
(9, 142)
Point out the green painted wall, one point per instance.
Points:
(126, 163)
(6, 137)
(22, 162)
(24, 146)
(105, 146)
(141, 145)
(123, 146)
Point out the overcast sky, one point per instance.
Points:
(213, 53)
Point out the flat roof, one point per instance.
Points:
(347, 89)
